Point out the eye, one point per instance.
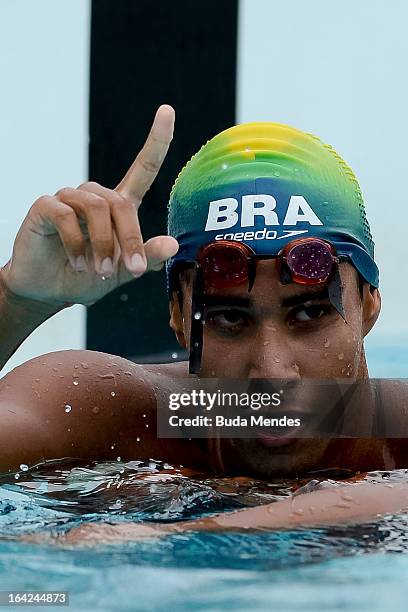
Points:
(228, 321)
(306, 314)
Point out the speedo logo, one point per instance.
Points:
(223, 214)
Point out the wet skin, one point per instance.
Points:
(280, 331)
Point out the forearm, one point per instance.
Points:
(355, 503)
(341, 505)
(18, 318)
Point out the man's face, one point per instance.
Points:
(281, 331)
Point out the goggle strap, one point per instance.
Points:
(335, 292)
(196, 329)
(285, 273)
(251, 273)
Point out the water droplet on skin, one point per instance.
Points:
(69, 429)
(347, 497)
(197, 315)
(174, 355)
(340, 356)
(138, 439)
(55, 369)
(147, 424)
(17, 476)
(95, 409)
(76, 383)
(276, 359)
(277, 173)
(118, 458)
(103, 278)
(67, 408)
(266, 342)
(24, 467)
(124, 297)
(144, 416)
(84, 365)
(295, 170)
(113, 446)
(326, 343)
(224, 166)
(325, 203)
(113, 393)
(299, 511)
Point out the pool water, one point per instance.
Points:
(338, 568)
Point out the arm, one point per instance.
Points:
(341, 505)
(350, 503)
(78, 245)
(19, 317)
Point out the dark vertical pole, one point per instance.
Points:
(144, 54)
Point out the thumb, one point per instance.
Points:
(158, 250)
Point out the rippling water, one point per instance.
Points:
(305, 569)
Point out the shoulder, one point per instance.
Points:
(84, 369)
(72, 369)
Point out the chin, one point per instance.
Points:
(297, 459)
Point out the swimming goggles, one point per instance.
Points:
(227, 263)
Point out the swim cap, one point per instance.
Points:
(266, 184)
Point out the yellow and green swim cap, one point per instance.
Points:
(266, 184)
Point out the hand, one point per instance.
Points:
(97, 534)
(80, 244)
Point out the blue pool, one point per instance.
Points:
(344, 568)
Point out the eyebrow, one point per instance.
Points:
(245, 302)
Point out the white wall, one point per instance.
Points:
(44, 63)
(339, 70)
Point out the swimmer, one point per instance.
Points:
(268, 241)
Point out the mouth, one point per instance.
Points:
(274, 437)
(271, 441)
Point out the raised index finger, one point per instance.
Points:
(144, 169)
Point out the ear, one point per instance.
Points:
(176, 320)
(371, 307)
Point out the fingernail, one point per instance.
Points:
(80, 264)
(107, 266)
(137, 264)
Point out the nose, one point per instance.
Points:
(272, 355)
